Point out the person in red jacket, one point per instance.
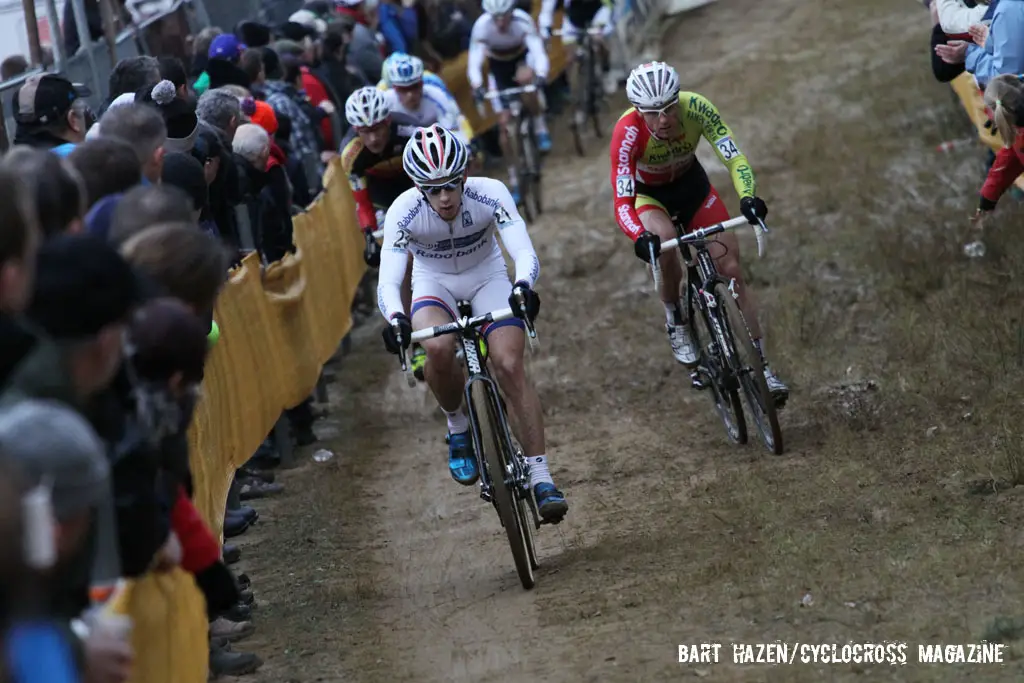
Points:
(1004, 97)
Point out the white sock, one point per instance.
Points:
(539, 124)
(674, 313)
(458, 422)
(539, 473)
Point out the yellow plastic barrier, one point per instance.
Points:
(973, 102)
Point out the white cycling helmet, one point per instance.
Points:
(366, 107)
(403, 70)
(652, 85)
(499, 6)
(434, 154)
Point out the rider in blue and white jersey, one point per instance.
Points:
(450, 224)
(424, 103)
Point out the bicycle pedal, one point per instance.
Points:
(697, 381)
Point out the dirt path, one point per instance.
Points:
(377, 567)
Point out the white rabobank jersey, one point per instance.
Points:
(435, 107)
(486, 41)
(466, 246)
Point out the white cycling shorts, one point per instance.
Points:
(496, 104)
(602, 19)
(485, 286)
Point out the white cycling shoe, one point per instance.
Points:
(776, 387)
(682, 344)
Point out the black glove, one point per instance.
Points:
(643, 245)
(530, 298)
(753, 208)
(372, 252)
(404, 329)
(540, 82)
(479, 94)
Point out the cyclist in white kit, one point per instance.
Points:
(449, 224)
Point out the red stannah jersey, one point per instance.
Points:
(639, 157)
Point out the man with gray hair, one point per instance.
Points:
(252, 144)
(220, 109)
(144, 129)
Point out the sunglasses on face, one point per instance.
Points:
(666, 110)
(436, 189)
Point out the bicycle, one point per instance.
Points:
(504, 472)
(523, 139)
(727, 362)
(588, 91)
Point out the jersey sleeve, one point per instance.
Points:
(358, 182)
(477, 54)
(535, 48)
(511, 229)
(1005, 169)
(715, 131)
(547, 13)
(625, 148)
(394, 259)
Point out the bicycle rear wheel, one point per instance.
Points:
(579, 104)
(531, 153)
(751, 373)
(496, 456)
(595, 94)
(714, 366)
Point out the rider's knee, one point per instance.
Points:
(508, 369)
(440, 352)
(729, 267)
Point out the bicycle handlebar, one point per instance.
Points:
(701, 234)
(494, 94)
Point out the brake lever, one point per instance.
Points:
(760, 230)
(531, 332)
(410, 378)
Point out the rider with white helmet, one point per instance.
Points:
(449, 224)
(655, 174)
(425, 104)
(577, 17)
(506, 38)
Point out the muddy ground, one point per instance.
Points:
(893, 508)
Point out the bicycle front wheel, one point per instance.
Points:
(496, 458)
(750, 371)
(713, 365)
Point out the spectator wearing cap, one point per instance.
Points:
(276, 196)
(144, 129)
(131, 75)
(107, 166)
(56, 187)
(50, 111)
(317, 88)
(146, 206)
(364, 52)
(65, 455)
(178, 114)
(224, 54)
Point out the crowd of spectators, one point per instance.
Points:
(986, 40)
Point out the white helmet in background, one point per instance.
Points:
(434, 154)
(652, 86)
(403, 70)
(366, 107)
(499, 6)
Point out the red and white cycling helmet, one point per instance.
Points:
(366, 107)
(652, 86)
(434, 154)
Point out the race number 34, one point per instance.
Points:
(624, 186)
(727, 148)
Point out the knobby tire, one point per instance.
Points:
(495, 457)
(751, 374)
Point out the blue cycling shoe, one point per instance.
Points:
(461, 461)
(550, 503)
(544, 141)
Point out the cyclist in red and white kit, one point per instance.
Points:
(655, 174)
